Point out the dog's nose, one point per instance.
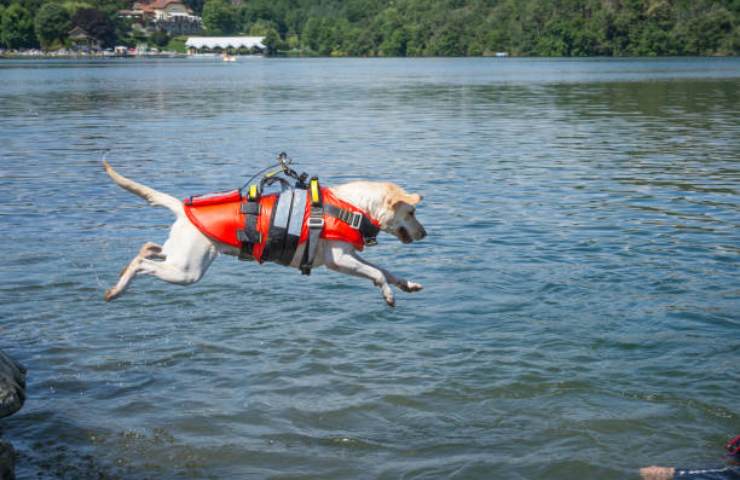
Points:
(423, 233)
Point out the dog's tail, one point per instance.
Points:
(147, 193)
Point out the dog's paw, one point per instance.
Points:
(108, 296)
(410, 287)
(388, 296)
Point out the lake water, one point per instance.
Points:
(581, 310)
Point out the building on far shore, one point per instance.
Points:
(163, 9)
(171, 16)
(241, 45)
(82, 41)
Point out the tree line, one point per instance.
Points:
(416, 27)
(483, 27)
(46, 24)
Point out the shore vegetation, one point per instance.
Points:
(408, 27)
(485, 27)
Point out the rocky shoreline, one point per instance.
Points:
(12, 397)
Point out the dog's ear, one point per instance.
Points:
(415, 198)
(411, 199)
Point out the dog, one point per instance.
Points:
(187, 253)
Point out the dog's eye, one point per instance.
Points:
(412, 212)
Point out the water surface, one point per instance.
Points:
(580, 311)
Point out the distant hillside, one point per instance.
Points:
(448, 27)
(483, 27)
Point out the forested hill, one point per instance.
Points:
(481, 27)
(427, 27)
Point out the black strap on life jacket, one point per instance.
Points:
(315, 226)
(250, 236)
(356, 220)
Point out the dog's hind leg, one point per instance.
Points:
(183, 259)
(148, 250)
(169, 272)
(164, 270)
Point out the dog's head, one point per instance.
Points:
(400, 218)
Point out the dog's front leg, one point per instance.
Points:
(401, 283)
(338, 256)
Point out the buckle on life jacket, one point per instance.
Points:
(314, 222)
(356, 220)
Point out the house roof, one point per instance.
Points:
(150, 6)
(161, 4)
(78, 33)
(225, 42)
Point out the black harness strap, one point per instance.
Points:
(278, 232)
(356, 220)
(250, 236)
(295, 225)
(315, 226)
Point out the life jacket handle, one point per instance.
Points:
(282, 166)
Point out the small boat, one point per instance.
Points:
(228, 58)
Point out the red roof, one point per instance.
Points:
(149, 7)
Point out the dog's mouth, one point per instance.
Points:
(403, 234)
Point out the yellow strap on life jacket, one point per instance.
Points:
(315, 198)
(253, 193)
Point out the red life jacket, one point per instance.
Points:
(219, 216)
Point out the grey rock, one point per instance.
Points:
(7, 461)
(12, 385)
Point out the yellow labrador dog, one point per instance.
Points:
(186, 255)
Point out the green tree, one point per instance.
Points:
(272, 41)
(219, 17)
(447, 43)
(395, 44)
(361, 43)
(654, 41)
(71, 6)
(195, 5)
(261, 28)
(97, 24)
(262, 10)
(16, 28)
(160, 38)
(465, 27)
(313, 32)
(52, 25)
(707, 30)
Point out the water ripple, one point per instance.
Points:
(579, 317)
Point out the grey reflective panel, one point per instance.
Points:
(282, 210)
(299, 210)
